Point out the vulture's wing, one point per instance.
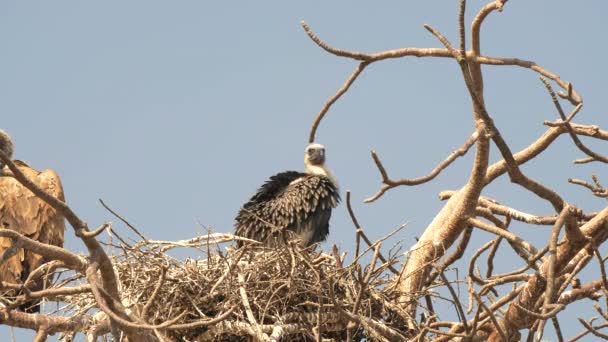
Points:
(298, 203)
(274, 186)
(24, 212)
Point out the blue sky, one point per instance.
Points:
(175, 112)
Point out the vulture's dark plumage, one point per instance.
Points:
(292, 204)
(24, 212)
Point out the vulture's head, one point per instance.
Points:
(6, 146)
(314, 160)
(314, 155)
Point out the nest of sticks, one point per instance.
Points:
(288, 293)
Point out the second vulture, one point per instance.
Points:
(24, 212)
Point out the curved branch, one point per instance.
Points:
(479, 18)
(473, 56)
(41, 335)
(473, 67)
(389, 183)
(334, 51)
(330, 102)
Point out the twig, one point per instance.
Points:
(550, 270)
(461, 314)
(247, 306)
(593, 330)
(566, 122)
(122, 219)
(94, 233)
(490, 314)
(159, 284)
(41, 335)
(361, 233)
(597, 189)
(452, 258)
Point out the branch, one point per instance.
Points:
(504, 234)
(565, 255)
(51, 252)
(499, 209)
(18, 319)
(123, 220)
(452, 258)
(389, 183)
(499, 168)
(551, 272)
(566, 122)
(259, 334)
(358, 70)
(593, 330)
(597, 189)
(473, 56)
(475, 91)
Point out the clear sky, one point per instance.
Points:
(175, 112)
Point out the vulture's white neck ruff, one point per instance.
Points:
(320, 170)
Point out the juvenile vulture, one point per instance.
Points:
(22, 211)
(292, 204)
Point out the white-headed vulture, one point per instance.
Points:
(292, 204)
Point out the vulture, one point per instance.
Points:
(24, 212)
(292, 204)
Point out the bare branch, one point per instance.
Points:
(389, 183)
(35, 322)
(593, 330)
(132, 227)
(333, 99)
(504, 234)
(597, 189)
(51, 252)
(475, 87)
(566, 122)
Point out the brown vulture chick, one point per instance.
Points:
(292, 204)
(24, 212)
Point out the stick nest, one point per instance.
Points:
(288, 293)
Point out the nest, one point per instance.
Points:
(289, 293)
